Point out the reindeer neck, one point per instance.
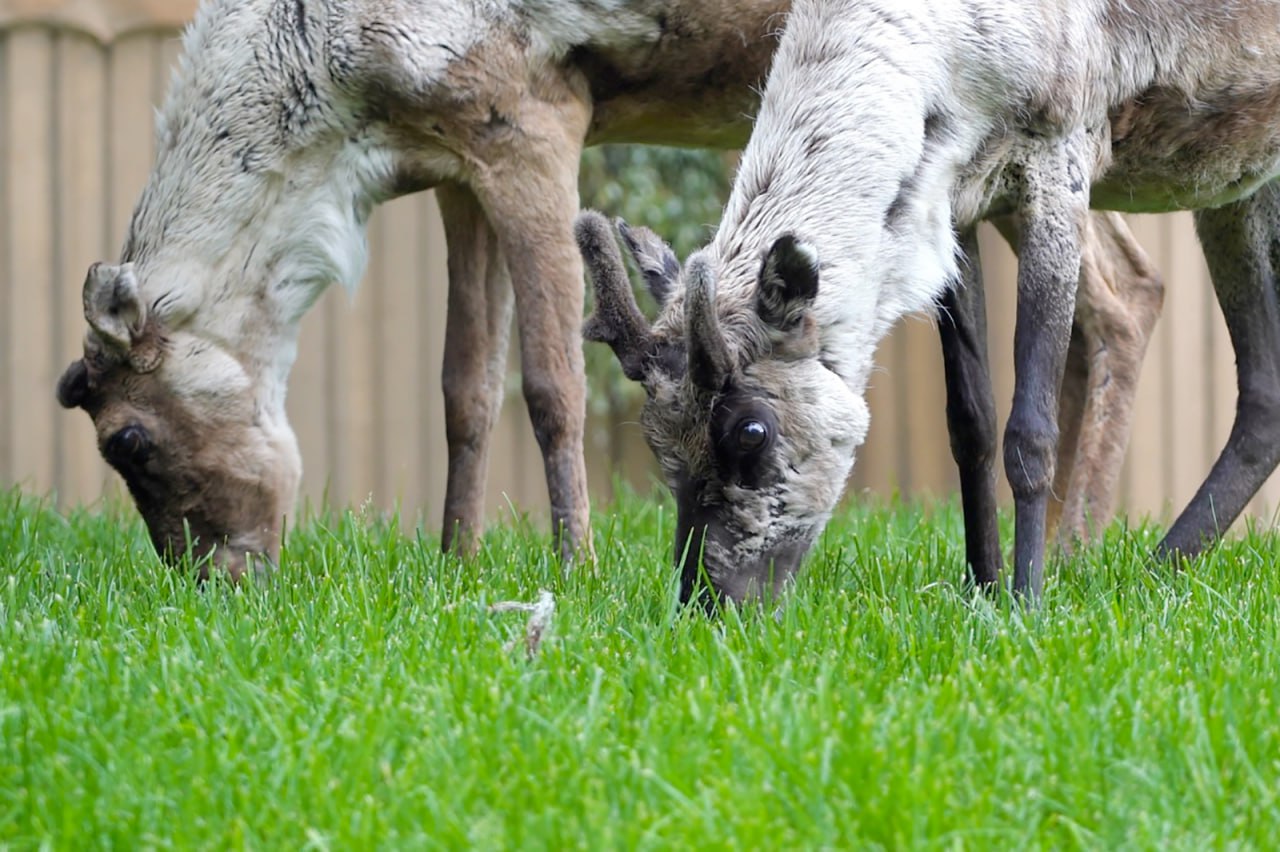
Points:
(263, 181)
(843, 157)
(243, 277)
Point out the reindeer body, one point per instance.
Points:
(887, 130)
(284, 125)
(884, 123)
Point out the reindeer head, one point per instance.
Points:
(176, 416)
(754, 433)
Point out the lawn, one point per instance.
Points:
(368, 697)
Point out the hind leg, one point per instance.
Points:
(1242, 246)
(1119, 300)
(530, 192)
(1052, 210)
(477, 330)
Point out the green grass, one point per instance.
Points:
(364, 698)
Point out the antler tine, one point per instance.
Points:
(655, 258)
(710, 360)
(617, 319)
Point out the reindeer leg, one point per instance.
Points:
(971, 413)
(1117, 304)
(531, 195)
(478, 328)
(1071, 398)
(1121, 294)
(1053, 209)
(1242, 245)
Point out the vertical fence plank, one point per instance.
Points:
(32, 313)
(1144, 490)
(875, 467)
(130, 136)
(400, 376)
(81, 239)
(329, 308)
(7, 215)
(431, 277)
(1151, 495)
(502, 480)
(350, 346)
(1167, 342)
(308, 405)
(374, 292)
(1188, 361)
(928, 468)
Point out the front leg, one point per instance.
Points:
(477, 331)
(530, 192)
(971, 413)
(1052, 208)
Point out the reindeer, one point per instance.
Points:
(887, 131)
(287, 122)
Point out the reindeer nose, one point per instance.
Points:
(131, 445)
(232, 564)
(260, 564)
(236, 562)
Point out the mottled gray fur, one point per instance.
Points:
(887, 131)
(286, 122)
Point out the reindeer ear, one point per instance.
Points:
(788, 283)
(73, 387)
(113, 306)
(657, 262)
(114, 309)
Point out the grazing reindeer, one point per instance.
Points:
(286, 122)
(887, 130)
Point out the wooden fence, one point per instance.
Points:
(78, 83)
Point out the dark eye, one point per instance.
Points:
(130, 446)
(752, 435)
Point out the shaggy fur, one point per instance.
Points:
(285, 123)
(887, 131)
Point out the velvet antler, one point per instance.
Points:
(617, 320)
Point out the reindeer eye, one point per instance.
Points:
(752, 435)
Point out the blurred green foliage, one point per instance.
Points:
(679, 193)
